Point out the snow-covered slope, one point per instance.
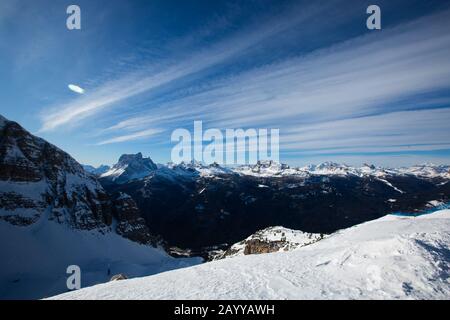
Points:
(389, 258)
(427, 171)
(272, 239)
(198, 169)
(96, 170)
(34, 258)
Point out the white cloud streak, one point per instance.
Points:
(131, 137)
(326, 99)
(418, 130)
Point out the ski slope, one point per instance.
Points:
(389, 258)
(34, 258)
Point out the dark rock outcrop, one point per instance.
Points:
(118, 277)
(272, 239)
(130, 224)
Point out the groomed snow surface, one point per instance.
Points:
(389, 258)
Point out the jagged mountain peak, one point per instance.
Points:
(130, 158)
(130, 167)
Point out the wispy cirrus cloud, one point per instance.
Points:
(367, 94)
(361, 95)
(412, 130)
(131, 137)
(139, 82)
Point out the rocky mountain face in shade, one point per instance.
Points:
(130, 224)
(40, 181)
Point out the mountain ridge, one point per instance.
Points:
(274, 169)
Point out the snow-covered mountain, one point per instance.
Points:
(54, 214)
(389, 258)
(200, 169)
(273, 169)
(135, 166)
(130, 167)
(272, 239)
(98, 171)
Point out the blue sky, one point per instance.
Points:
(336, 90)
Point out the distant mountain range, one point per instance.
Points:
(132, 167)
(193, 206)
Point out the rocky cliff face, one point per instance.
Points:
(40, 181)
(130, 224)
(37, 178)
